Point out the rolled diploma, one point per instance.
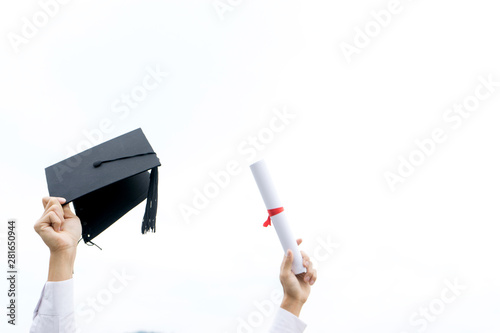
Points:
(280, 222)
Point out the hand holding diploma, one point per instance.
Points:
(296, 288)
(276, 214)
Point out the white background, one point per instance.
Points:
(226, 76)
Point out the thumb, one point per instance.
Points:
(286, 266)
(67, 211)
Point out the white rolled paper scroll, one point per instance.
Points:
(280, 222)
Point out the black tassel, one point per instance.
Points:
(149, 220)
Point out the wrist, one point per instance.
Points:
(292, 305)
(61, 265)
(68, 252)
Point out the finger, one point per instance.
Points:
(55, 222)
(49, 222)
(49, 202)
(299, 241)
(307, 264)
(286, 265)
(305, 257)
(314, 277)
(306, 261)
(52, 204)
(45, 200)
(56, 208)
(309, 274)
(67, 211)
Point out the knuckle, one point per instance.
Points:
(53, 203)
(53, 216)
(51, 211)
(54, 209)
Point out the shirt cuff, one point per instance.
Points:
(287, 322)
(56, 299)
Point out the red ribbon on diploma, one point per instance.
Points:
(273, 212)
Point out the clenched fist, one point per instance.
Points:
(60, 229)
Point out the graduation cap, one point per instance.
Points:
(107, 181)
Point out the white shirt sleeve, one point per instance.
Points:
(54, 312)
(286, 322)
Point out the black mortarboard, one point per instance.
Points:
(107, 181)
